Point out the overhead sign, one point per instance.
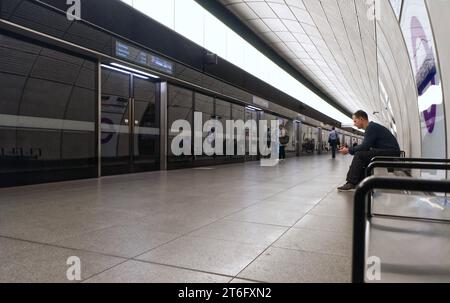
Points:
(260, 102)
(131, 53)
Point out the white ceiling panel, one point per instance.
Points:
(302, 15)
(262, 9)
(283, 11)
(331, 42)
(295, 3)
(276, 25)
(258, 26)
(294, 26)
(243, 10)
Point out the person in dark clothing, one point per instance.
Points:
(333, 140)
(284, 138)
(378, 141)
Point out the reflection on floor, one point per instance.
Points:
(410, 250)
(231, 223)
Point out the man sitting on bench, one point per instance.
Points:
(378, 141)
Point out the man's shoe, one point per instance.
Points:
(347, 187)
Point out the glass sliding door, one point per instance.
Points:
(238, 114)
(205, 105)
(146, 133)
(47, 114)
(115, 122)
(179, 107)
(129, 123)
(223, 113)
(251, 115)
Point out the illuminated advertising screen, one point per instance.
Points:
(419, 40)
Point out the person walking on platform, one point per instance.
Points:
(284, 140)
(333, 140)
(378, 141)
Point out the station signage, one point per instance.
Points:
(142, 57)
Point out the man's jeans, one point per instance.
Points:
(360, 161)
(333, 146)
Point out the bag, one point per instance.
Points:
(284, 140)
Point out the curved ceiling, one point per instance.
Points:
(331, 42)
(357, 58)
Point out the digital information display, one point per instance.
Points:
(142, 57)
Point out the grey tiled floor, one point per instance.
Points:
(231, 223)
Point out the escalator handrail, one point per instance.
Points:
(361, 215)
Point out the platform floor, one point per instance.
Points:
(230, 223)
(411, 251)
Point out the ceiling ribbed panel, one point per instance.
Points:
(331, 42)
(362, 63)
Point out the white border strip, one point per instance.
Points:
(45, 123)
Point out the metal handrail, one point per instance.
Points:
(401, 159)
(411, 165)
(361, 211)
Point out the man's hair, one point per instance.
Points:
(333, 128)
(361, 114)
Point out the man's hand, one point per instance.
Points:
(343, 150)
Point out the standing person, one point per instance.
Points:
(211, 137)
(269, 141)
(333, 140)
(284, 140)
(378, 141)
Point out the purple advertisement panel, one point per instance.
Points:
(418, 36)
